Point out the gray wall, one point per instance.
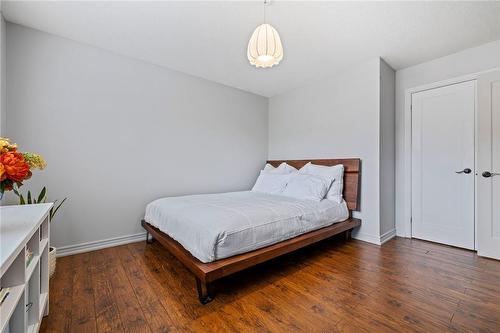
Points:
(118, 133)
(387, 149)
(335, 118)
(3, 71)
(469, 61)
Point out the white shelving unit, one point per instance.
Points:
(22, 228)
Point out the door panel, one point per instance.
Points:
(488, 188)
(443, 121)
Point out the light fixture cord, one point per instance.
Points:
(265, 4)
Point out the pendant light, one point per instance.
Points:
(264, 48)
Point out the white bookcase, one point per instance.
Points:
(24, 228)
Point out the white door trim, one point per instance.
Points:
(489, 245)
(404, 227)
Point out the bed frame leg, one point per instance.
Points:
(205, 291)
(348, 234)
(148, 239)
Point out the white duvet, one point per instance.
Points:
(216, 226)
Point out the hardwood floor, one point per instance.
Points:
(334, 286)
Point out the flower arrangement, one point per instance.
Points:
(16, 166)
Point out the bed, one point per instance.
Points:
(216, 235)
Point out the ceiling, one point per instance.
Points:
(208, 39)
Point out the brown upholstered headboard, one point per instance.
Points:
(352, 175)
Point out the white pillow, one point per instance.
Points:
(307, 187)
(282, 169)
(335, 172)
(271, 183)
(269, 167)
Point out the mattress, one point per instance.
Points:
(217, 226)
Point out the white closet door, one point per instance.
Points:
(488, 187)
(443, 122)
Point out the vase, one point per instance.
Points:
(52, 260)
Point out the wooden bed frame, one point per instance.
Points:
(206, 273)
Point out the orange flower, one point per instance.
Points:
(3, 174)
(15, 166)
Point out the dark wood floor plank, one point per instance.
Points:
(163, 283)
(61, 298)
(476, 316)
(131, 313)
(83, 316)
(107, 313)
(249, 322)
(156, 315)
(334, 286)
(407, 316)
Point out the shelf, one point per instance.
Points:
(31, 267)
(43, 244)
(44, 229)
(23, 228)
(43, 303)
(18, 224)
(10, 303)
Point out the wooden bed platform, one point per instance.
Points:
(206, 273)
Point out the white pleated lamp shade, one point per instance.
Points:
(264, 47)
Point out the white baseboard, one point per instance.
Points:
(100, 244)
(366, 238)
(110, 242)
(387, 236)
(374, 239)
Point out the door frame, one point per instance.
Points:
(489, 247)
(404, 228)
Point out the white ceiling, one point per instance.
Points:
(209, 39)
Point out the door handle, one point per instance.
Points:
(466, 170)
(488, 174)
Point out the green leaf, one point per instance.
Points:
(16, 192)
(41, 196)
(54, 211)
(21, 200)
(29, 198)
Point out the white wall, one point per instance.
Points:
(469, 61)
(387, 150)
(336, 118)
(3, 70)
(118, 133)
